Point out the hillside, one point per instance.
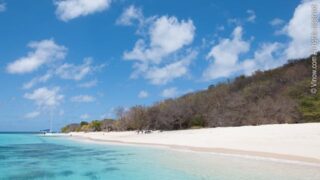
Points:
(281, 95)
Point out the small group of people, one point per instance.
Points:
(144, 131)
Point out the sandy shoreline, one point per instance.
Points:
(288, 142)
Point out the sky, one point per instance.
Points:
(78, 60)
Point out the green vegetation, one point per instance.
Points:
(309, 106)
(96, 125)
(281, 95)
(83, 123)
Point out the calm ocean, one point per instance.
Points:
(30, 156)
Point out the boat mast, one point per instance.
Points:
(50, 130)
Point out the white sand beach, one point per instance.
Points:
(294, 142)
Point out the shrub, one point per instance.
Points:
(197, 122)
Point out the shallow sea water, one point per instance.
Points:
(30, 156)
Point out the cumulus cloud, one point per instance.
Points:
(36, 80)
(165, 74)
(45, 52)
(227, 62)
(83, 98)
(3, 7)
(69, 72)
(235, 21)
(71, 9)
(45, 97)
(167, 35)
(32, 115)
(143, 94)
(252, 15)
(88, 84)
(299, 29)
(169, 92)
(77, 72)
(156, 55)
(225, 55)
(129, 15)
(267, 56)
(276, 22)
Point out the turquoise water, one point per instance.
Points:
(29, 156)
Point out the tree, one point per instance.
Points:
(120, 112)
(96, 125)
(108, 125)
(82, 123)
(137, 118)
(280, 95)
(70, 128)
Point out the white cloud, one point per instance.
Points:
(45, 97)
(167, 35)
(84, 116)
(77, 72)
(3, 7)
(299, 29)
(225, 55)
(156, 55)
(70, 9)
(268, 56)
(169, 92)
(32, 115)
(165, 74)
(69, 72)
(89, 84)
(227, 62)
(252, 15)
(234, 21)
(143, 94)
(130, 15)
(45, 51)
(83, 98)
(37, 80)
(276, 22)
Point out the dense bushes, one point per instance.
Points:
(281, 95)
(310, 108)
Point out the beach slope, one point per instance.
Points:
(295, 142)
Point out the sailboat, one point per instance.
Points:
(49, 132)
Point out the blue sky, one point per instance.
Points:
(80, 59)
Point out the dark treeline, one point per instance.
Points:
(281, 95)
